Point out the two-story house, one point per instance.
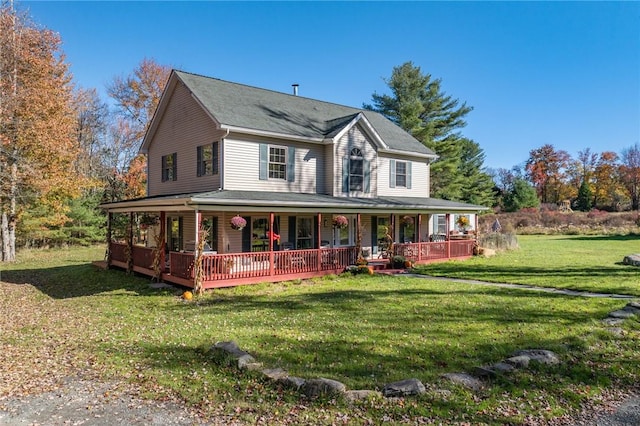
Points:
(315, 184)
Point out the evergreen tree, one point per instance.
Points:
(521, 195)
(585, 197)
(420, 107)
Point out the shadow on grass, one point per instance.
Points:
(63, 282)
(629, 237)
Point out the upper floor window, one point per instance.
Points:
(355, 172)
(399, 174)
(170, 167)
(277, 162)
(208, 159)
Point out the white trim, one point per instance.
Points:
(277, 135)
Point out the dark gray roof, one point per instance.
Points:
(247, 107)
(279, 201)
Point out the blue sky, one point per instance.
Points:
(564, 73)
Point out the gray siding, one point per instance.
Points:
(182, 128)
(241, 167)
(354, 138)
(419, 178)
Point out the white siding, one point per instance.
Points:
(354, 138)
(241, 166)
(183, 127)
(419, 178)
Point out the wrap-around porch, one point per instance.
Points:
(272, 259)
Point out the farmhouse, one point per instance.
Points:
(250, 185)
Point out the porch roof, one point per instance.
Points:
(225, 200)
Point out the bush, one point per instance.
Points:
(398, 262)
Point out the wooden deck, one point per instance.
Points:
(232, 269)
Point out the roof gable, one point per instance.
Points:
(245, 108)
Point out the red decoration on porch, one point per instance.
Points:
(238, 223)
(273, 236)
(340, 222)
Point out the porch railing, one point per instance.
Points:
(419, 252)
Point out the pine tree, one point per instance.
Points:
(584, 201)
(420, 107)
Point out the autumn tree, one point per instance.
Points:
(606, 181)
(418, 105)
(37, 147)
(545, 170)
(137, 97)
(630, 174)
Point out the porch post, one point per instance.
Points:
(319, 241)
(272, 255)
(419, 235)
(476, 226)
(198, 224)
(163, 239)
(392, 225)
(130, 244)
(109, 236)
(448, 234)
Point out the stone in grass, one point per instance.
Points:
(292, 382)
(361, 395)
(622, 314)
(542, 356)
(616, 331)
(634, 305)
(275, 373)
(518, 361)
(632, 259)
(494, 370)
(404, 388)
(613, 321)
(464, 379)
(319, 387)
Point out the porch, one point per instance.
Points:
(232, 269)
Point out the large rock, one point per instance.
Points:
(464, 379)
(321, 386)
(632, 259)
(361, 395)
(404, 388)
(228, 352)
(623, 314)
(542, 356)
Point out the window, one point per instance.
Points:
(304, 238)
(210, 224)
(399, 174)
(170, 167)
(356, 170)
(439, 224)
(277, 162)
(208, 159)
(174, 233)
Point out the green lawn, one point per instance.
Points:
(364, 331)
(588, 263)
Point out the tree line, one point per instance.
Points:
(64, 150)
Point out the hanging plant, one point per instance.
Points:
(238, 223)
(463, 222)
(340, 222)
(407, 220)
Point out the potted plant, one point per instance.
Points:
(407, 220)
(238, 223)
(463, 222)
(340, 222)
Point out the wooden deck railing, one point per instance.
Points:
(254, 266)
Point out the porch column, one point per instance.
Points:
(163, 239)
(358, 236)
(447, 217)
(477, 229)
(130, 244)
(198, 224)
(392, 225)
(419, 235)
(272, 256)
(319, 241)
(109, 236)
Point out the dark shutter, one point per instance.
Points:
(374, 234)
(366, 165)
(246, 235)
(264, 161)
(164, 168)
(392, 173)
(291, 164)
(175, 166)
(292, 231)
(199, 167)
(215, 158)
(408, 174)
(345, 174)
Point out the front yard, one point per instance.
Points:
(61, 316)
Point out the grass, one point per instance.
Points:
(363, 331)
(586, 263)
